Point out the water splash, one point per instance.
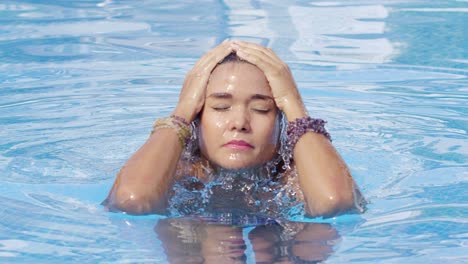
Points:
(261, 191)
(271, 189)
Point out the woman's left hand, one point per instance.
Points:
(324, 178)
(278, 74)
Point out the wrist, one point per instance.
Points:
(186, 114)
(178, 124)
(293, 109)
(291, 104)
(298, 127)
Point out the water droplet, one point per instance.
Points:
(250, 191)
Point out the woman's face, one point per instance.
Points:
(238, 121)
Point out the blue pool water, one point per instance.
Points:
(82, 81)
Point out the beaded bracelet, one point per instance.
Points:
(179, 124)
(300, 126)
(181, 120)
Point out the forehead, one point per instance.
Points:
(238, 78)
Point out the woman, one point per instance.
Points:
(237, 104)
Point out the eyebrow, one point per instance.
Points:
(229, 96)
(221, 95)
(262, 97)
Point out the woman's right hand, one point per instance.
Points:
(192, 95)
(279, 76)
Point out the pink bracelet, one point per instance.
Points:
(300, 126)
(181, 120)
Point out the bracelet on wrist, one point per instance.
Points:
(181, 120)
(179, 124)
(297, 128)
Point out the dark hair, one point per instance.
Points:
(232, 57)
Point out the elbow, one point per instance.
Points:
(331, 204)
(129, 202)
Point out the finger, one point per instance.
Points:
(215, 55)
(255, 54)
(201, 72)
(243, 45)
(259, 59)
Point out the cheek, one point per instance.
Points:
(271, 135)
(212, 124)
(210, 131)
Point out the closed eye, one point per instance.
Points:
(221, 108)
(261, 110)
(261, 107)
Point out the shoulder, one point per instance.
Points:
(198, 169)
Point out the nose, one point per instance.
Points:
(240, 121)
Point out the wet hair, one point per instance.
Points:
(232, 57)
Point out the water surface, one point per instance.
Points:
(81, 83)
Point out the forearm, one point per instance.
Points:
(142, 183)
(324, 178)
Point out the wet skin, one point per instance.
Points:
(238, 121)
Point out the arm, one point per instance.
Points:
(142, 183)
(324, 178)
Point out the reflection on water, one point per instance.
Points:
(189, 240)
(324, 33)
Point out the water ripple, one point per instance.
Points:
(63, 229)
(82, 81)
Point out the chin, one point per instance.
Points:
(237, 165)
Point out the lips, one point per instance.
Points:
(238, 145)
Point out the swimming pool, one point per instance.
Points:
(82, 81)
